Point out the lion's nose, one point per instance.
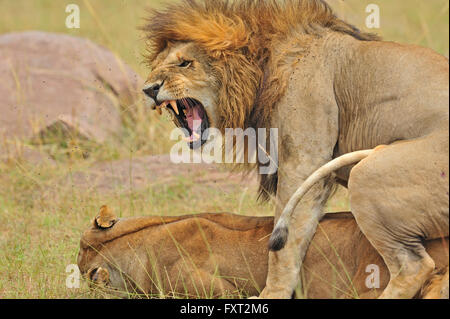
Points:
(152, 91)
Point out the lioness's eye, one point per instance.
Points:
(185, 64)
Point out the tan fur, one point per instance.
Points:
(205, 255)
(235, 258)
(280, 232)
(436, 287)
(330, 90)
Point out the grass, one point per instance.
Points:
(42, 215)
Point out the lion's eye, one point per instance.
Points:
(185, 64)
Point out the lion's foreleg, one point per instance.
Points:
(285, 264)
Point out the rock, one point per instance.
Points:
(60, 83)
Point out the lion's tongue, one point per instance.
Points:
(194, 120)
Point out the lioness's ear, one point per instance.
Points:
(98, 276)
(105, 218)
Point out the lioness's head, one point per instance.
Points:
(92, 262)
(107, 254)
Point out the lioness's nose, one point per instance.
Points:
(152, 91)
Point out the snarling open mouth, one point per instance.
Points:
(190, 115)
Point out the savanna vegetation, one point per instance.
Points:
(42, 208)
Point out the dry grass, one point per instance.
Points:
(41, 219)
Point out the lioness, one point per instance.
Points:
(329, 89)
(212, 255)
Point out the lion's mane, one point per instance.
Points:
(241, 37)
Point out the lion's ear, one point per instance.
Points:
(105, 218)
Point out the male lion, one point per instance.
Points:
(213, 255)
(330, 89)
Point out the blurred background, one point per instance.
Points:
(54, 179)
(113, 23)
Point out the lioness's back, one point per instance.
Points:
(340, 259)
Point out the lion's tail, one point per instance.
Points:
(280, 232)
